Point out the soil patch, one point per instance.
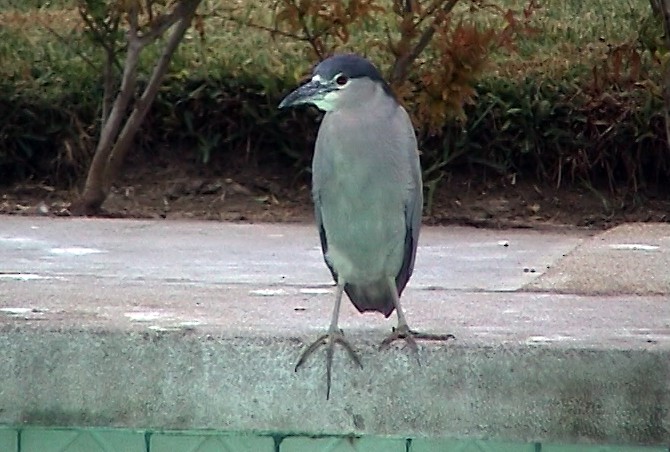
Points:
(176, 188)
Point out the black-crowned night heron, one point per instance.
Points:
(367, 192)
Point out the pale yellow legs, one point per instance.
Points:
(332, 337)
(335, 336)
(402, 331)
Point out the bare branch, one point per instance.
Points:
(187, 10)
(67, 42)
(107, 84)
(308, 35)
(150, 10)
(160, 24)
(100, 36)
(94, 194)
(119, 128)
(665, 10)
(272, 31)
(403, 62)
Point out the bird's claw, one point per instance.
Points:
(400, 333)
(329, 339)
(410, 337)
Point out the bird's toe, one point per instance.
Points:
(410, 337)
(329, 340)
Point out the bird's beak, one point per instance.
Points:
(312, 91)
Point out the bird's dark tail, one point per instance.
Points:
(372, 297)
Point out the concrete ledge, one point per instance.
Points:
(87, 342)
(185, 380)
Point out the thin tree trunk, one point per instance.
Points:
(107, 86)
(142, 106)
(94, 195)
(115, 141)
(665, 11)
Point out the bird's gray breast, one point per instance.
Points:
(361, 185)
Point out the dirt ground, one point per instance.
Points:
(168, 189)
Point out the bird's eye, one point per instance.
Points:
(341, 79)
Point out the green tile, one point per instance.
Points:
(596, 448)
(185, 442)
(9, 439)
(93, 440)
(456, 445)
(365, 444)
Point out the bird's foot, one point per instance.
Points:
(329, 340)
(410, 337)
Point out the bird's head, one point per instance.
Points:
(336, 81)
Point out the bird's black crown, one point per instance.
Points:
(351, 65)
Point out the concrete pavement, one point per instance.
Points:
(561, 336)
(629, 259)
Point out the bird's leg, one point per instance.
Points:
(402, 331)
(332, 337)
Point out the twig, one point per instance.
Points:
(403, 62)
(305, 29)
(68, 43)
(100, 37)
(265, 28)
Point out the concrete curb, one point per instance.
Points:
(197, 326)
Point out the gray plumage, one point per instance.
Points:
(368, 196)
(367, 191)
